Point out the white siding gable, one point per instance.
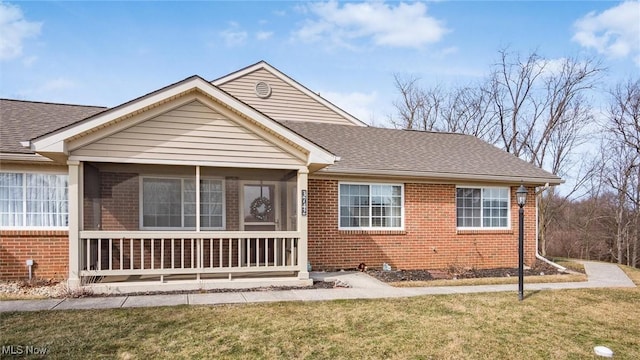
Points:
(286, 103)
(192, 133)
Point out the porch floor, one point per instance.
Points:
(127, 284)
(187, 277)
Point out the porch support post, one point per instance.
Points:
(75, 220)
(303, 260)
(197, 197)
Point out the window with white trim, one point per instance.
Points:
(31, 200)
(370, 206)
(170, 203)
(486, 207)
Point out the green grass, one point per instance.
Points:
(563, 324)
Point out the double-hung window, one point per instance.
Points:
(170, 203)
(370, 206)
(486, 207)
(31, 200)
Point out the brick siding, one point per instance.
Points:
(429, 240)
(48, 249)
(119, 193)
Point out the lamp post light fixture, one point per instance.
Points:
(521, 198)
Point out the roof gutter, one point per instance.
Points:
(20, 157)
(445, 176)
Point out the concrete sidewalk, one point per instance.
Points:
(362, 286)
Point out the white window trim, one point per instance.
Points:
(141, 202)
(24, 203)
(485, 228)
(372, 228)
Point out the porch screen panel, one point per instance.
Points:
(211, 205)
(171, 203)
(162, 202)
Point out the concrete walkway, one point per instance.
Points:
(362, 286)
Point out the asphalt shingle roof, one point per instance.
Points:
(362, 150)
(415, 153)
(25, 120)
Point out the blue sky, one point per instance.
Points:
(106, 53)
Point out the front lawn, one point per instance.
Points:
(563, 324)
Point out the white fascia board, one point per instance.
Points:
(444, 176)
(119, 160)
(291, 82)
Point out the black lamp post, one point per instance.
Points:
(521, 198)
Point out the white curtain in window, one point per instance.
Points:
(46, 200)
(11, 199)
(33, 200)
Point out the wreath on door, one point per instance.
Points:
(261, 208)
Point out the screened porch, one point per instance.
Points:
(152, 223)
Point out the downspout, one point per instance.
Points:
(538, 256)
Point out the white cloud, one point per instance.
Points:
(264, 35)
(551, 67)
(449, 50)
(57, 84)
(233, 35)
(58, 89)
(614, 32)
(29, 61)
(14, 29)
(402, 25)
(357, 104)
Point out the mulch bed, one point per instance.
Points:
(540, 268)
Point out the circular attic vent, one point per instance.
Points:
(263, 90)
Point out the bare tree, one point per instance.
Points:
(462, 110)
(620, 170)
(418, 109)
(532, 107)
(625, 113)
(624, 176)
(542, 110)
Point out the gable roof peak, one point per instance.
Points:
(263, 65)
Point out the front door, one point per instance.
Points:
(260, 206)
(260, 209)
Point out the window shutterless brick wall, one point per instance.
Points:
(48, 249)
(429, 240)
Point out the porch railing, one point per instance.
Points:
(162, 253)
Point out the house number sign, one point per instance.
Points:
(304, 202)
